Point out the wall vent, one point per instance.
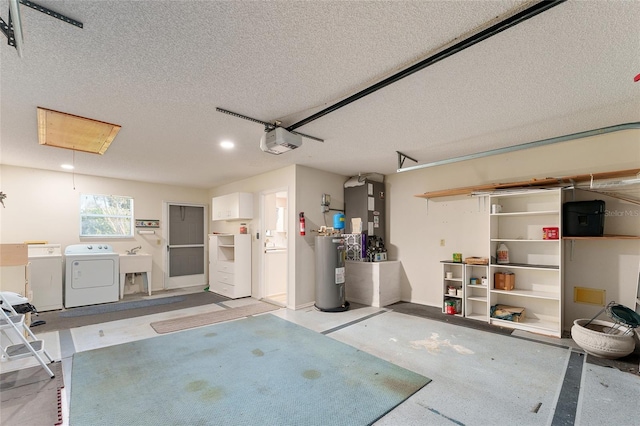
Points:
(590, 296)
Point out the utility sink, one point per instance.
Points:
(136, 262)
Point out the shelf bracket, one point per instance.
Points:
(573, 242)
(482, 203)
(402, 157)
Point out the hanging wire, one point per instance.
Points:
(73, 170)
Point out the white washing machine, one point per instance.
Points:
(92, 275)
(45, 276)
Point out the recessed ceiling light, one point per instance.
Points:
(67, 166)
(227, 144)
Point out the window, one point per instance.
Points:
(106, 216)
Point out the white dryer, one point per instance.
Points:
(92, 275)
(46, 276)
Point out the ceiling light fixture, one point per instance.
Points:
(227, 144)
(67, 166)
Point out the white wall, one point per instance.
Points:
(462, 222)
(610, 265)
(414, 232)
(43, 205)
(311, 184)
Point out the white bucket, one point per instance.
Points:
(608, 343)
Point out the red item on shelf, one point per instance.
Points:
(551, 233)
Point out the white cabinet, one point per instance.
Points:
(465, 290)
(46, 282)
(235, 206)
(230, 265)
(275, 273)
(536, 262)
(453, 288)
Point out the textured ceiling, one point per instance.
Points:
(160, 68)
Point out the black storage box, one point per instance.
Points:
(583, 218)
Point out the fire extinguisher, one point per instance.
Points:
(302, 227)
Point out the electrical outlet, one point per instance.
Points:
(442, 243)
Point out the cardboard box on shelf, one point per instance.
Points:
(504, 281)
(476, 260)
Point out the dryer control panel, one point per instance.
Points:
(98, 248)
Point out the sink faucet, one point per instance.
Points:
(134, 250)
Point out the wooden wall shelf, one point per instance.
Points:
(605, 237)
(530, 184)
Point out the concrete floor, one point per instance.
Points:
(479, 378)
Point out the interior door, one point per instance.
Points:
(274, 251)
(186, 254)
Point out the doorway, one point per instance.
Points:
(275, 250)
(185, 236)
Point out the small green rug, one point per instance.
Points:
(258, 370)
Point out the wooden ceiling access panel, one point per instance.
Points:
(70, 131)
(533, 183)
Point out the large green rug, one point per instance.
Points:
(259, 370)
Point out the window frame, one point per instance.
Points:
(112, 198)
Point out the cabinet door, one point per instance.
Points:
(238, 205)
(221, 207)
(217, 208)
(242, 265)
